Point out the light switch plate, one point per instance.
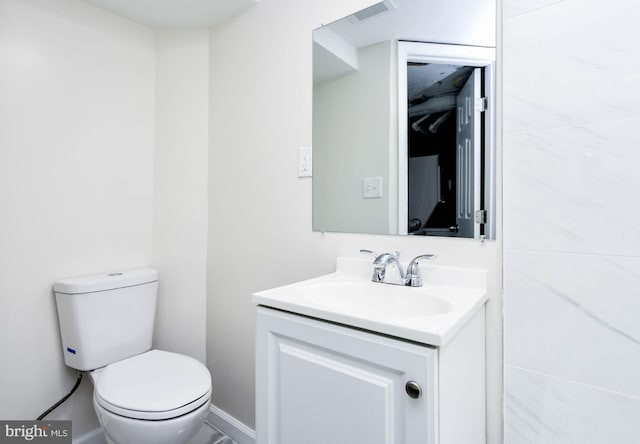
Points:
(371, 187)
(304, 161)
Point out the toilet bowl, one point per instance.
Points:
(156, 397)
(141, 395)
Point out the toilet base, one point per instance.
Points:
(122, 430)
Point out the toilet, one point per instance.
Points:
(141, 395)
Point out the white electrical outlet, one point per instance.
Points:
(304, 161)
(371, 187)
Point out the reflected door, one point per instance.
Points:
(468, 159)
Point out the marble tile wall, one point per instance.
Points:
(571, 75)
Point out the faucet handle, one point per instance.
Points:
(374, 254)
(413, 278)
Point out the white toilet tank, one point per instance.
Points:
(105, 318)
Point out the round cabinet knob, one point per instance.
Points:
(413, 389)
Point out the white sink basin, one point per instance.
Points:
(376, 300)
(431, 314)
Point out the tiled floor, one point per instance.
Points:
(208, 434)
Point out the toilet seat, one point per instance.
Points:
(155, 385)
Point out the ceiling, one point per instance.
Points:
(176, 13)
(461, 22)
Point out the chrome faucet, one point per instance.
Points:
(411, 278)
(380, 265)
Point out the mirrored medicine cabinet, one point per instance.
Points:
(404, 120)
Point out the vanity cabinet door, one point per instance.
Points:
(319, 383)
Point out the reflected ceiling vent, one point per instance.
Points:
(376, 9)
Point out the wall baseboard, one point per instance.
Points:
(95, 436)
(230, 426)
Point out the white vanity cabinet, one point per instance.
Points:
(319, 382)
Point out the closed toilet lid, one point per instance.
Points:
(153, 385)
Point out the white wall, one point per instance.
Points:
(76, 179)
(180, 216)
(572, 242)
(259, 210)
(103, 165)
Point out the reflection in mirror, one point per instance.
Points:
(440, 182)
(403, 131)
(445, 93)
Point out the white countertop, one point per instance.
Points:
(431, 314)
